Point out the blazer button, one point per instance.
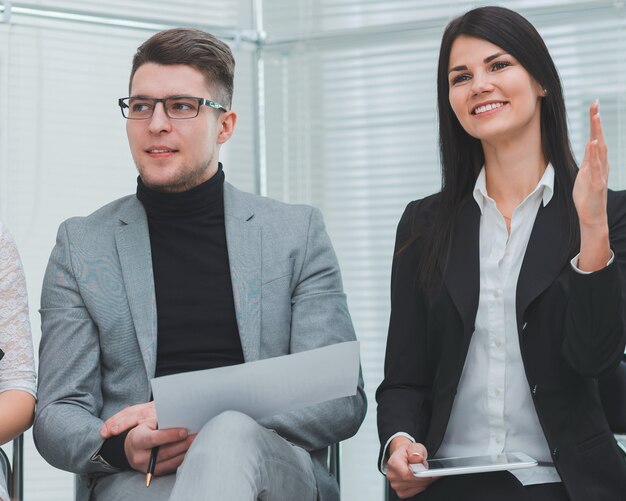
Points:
(534, 391)
(524, 326)
(89, 482)
(555, 453)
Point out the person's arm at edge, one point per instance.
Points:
(17, 409)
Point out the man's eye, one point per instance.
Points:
(138, 107)
(183, 105)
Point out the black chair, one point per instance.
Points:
(14, 471)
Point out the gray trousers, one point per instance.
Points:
(233, 458)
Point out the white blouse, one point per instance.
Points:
(17, 367)
(493, 410)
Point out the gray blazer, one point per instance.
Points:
(99, 324)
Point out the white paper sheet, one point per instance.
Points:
(259, 389)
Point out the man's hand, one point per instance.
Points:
(400, 475)
(173, 444)
(128, 418)
(143, 436)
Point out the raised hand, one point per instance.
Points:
(590, 198)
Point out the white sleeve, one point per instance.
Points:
(383, 459)
(574, 263)
(17, 367)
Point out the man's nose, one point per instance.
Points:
(159, 121)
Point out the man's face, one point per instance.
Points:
(175, 155)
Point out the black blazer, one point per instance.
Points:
(571, 331)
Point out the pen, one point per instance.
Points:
(151, 464)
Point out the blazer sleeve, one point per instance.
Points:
(320, 317)
(66, 427)
(596, 309)
(404, 394)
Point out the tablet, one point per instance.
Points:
(621, 441)
(473, 464)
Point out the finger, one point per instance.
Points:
(169, 466)
(594, 109)
(168, 436)
(127, 418)
(597, 130)
(602, 148)
(598, 165)
(417, 449)
(174, 449)
(588, 156)
(145, 438)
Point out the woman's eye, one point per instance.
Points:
(460, 78)
(500, 65)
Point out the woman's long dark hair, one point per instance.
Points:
(462, 155)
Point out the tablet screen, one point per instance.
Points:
(473, 464)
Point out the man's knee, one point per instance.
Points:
(231, 428)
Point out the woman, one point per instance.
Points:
(508, 286)
(17, 371)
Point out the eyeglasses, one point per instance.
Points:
(177, 107)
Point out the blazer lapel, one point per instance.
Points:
(243, 239)
(133, 247)
(462, 274)
(546, 254)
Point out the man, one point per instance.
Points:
(188, 274)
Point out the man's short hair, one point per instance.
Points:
(196, 48)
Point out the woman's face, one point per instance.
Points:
(494, 98)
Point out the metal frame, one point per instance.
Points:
(334, 461)
(16, 484)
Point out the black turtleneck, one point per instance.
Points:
(196, 323)
(197, 328)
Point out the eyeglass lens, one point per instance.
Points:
(175, 107)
